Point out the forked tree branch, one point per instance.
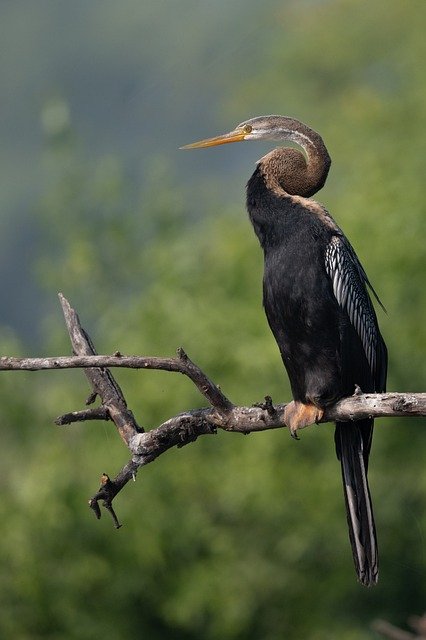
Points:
(188, 426)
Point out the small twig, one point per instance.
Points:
(267, 405)
(96, 413)
(106, 493)
(209, 390)
(110, 488)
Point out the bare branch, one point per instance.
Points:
(377, 405)
(356, 407)
(113, 404)
(181, 364)
(84, 358)
(101, 380)
(188, 426)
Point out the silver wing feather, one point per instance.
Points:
(349, 287)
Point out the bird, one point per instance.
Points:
(316, 296)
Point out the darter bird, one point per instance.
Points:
(315, 295)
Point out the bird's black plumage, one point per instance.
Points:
(318, 307)
(317, 304)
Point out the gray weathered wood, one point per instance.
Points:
(186, 427)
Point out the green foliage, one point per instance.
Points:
(232, 537)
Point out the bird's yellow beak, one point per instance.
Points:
(233, 136)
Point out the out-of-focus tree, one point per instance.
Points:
(232, 537)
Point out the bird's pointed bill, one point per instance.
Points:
(233, 136)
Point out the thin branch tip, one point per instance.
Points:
(181, 353)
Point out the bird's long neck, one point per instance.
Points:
(287, 169)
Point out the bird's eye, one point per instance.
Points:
(247, 128)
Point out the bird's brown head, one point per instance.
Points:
(295, 173)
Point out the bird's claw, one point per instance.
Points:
(298, 416)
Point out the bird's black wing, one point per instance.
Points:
(349, 283)
(353, 441)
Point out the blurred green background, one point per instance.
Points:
(232, 538)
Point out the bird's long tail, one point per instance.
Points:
(353, 447)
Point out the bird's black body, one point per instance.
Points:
(297, 295)
(321, 349)
(328, 338)
(316, 301)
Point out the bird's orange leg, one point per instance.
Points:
(298, 415)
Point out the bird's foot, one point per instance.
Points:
(298, 415)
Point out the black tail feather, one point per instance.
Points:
(352, 447)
